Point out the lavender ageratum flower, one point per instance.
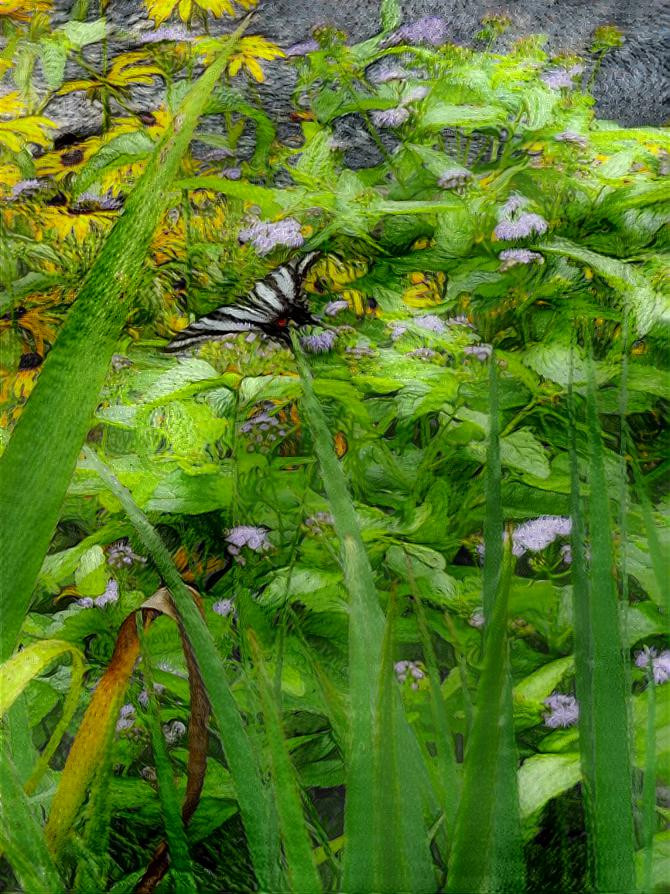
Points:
(453, 178)
(105, 202)
(660, 664)
(264, 235)
(513, 204)
(520, 227)
(26, 186)
(126, 718)
(476, 619)
(166, 32)
(460, 320)
(263, 429)
(360, 351)
(564, 711)
(533, 536)
(143, 697)
(398, 329)
(174, 731)
(85, 602)
(429, 29)
(570, 136)
(110, 595)
(320, 343)
(333, 308)
(423, 354)
(252, 538)
(120, 362)
(317, 522)
(566, 554)
(223, 607)
(416, 94)
(121, 555)
(149, 774)
(231, 173)
(389, 117)
(561, 78)
(405, 670)
(482, 351)
(510, 257)
(386, 73)
(302, 48)
(432, 323)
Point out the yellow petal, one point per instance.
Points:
(159, 10)
(254, 69)
(235, 65)
(185, 10)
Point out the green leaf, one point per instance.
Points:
(92, 572)
(39, 460)
(390, 15)
(193, 494)
(53, 56)
(81, 34)
(543, 777)
(119, 151)
(635, 290)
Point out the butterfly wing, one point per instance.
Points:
(269, 307)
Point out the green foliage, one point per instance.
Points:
(367, 734)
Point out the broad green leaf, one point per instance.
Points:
(546, 776)
(122, 150)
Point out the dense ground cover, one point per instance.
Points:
(417, 559)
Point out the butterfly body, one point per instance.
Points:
(270, 307)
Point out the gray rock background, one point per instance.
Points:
(632, 87)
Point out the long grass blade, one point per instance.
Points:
(649, 786)
(21, 838)
(301, 869)
(472, 867)
(180, 858)
(366, 630)
(39, 460)
(242, 760)
(659, 562)
(603, 676)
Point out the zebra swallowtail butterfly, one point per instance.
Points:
(269, 307)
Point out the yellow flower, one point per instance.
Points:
(10, 175)
(332, 274)
(14, 134)
(160, 10)
(425, 289)
(22, 10)
(63, 222)
(126, 70)
(250, 49)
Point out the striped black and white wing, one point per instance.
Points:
(269, 307)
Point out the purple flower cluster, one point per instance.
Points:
(387, 73)
(481, 351)
(320, 343)
(520, 227)
(423, 353)
(111, 594)
(264, 235)
(302, 48)
(333, 308)
(360, 351)
(389, 117)
(570, 136)
(660, 664)
(143, 697)
(477, 619)
(174, 731)
(460, 320)
(248, 536)
(432, 323)
(231, 173)
(510, 257)
(317, 522)
(398, 329)
(26, 186)
(562, 78)
(416, 94)
(120, 362)
(408, 670)
(564, 710)
(536, 534)
(126, 718)
(429, 29)
(166, 32)
(453, 178)
(121, 555)
(263, 429)
(224, 607)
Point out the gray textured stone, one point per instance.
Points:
(632, 86)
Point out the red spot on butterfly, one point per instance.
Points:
(282, 322)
